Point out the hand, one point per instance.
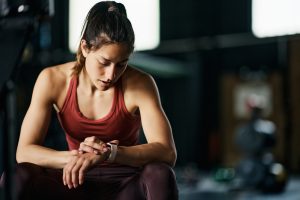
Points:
(94, 145)
(75, 169)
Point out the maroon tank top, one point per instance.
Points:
(118, 124)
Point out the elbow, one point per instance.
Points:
(19, 159)
(171, 158)
(19, 156)
(170, 155)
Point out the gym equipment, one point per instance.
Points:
(17, 23)
(258, 169)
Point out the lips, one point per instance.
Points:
(105, 83)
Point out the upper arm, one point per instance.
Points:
(37, 118)
(155, 123)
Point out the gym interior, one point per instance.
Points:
(228, 78)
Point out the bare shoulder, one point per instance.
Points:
(57, 73)
(137, 79)
(139, 86)
(55, 79)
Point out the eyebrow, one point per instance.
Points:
(105, 59)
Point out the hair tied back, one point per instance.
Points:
(113, 9)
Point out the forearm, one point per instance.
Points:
(140, 155)
(43, 156)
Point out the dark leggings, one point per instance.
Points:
(155, 181)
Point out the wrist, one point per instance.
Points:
(66, 156)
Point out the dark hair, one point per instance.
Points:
(106, 23)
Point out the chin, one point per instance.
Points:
(104, 88)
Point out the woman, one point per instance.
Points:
(101, 103)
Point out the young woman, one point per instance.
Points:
(102, 103)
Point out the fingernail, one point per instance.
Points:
(96, 152)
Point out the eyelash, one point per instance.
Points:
(105, 64)
(118, 65)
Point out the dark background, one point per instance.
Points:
(207, 40)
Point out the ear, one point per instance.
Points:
(84, 48)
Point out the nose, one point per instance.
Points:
(111, 72)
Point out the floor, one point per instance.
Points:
(195, 186)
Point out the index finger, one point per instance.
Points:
(92, 139)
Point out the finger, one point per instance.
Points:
(82, 171)
(75, 172)
(67, 177)
(92, 139)
(92, 147)
(95, 145)
(65, 173)
(64, 176)
(65, 169)
(80, 150)
(101, 149)
(86, 148)
(68, 173)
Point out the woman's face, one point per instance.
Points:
(106, 64)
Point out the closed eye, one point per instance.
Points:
(104, 63)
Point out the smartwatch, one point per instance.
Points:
(113, 152)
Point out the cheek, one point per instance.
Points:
(92, 68)
(95, 72)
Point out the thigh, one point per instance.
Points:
(34, 182)
(110, 182)
(155, 181)
(133, 189)
(159, 182)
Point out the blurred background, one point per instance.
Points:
(227, 71)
